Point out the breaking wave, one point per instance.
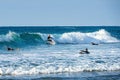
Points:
(101, 36)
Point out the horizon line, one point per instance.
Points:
(59, 25)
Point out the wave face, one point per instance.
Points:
(20, 39)
(100, 36)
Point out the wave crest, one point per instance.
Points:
(100, 36)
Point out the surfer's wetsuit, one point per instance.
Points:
(49, 38)
(10, 49)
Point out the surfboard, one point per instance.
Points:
(52, 42)
(83, 52)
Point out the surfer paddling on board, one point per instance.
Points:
(11, 49)
(50, 40)
(84, 51)
(94, 43)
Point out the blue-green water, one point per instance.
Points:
(32, 56)
(22, 36)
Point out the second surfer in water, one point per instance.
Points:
(84, 51)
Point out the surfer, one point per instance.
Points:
(84, 51)
(94, 43)
(49, 38)
(10, 49)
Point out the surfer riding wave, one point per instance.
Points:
(50, 40)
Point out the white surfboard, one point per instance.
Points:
(52, 42)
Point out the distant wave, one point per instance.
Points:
(101, 36)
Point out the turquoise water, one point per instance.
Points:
(23, 36)
(34, 57)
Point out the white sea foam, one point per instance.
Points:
(60, 59)
(78, 37)
(61, 68)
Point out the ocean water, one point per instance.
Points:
(34, 58)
